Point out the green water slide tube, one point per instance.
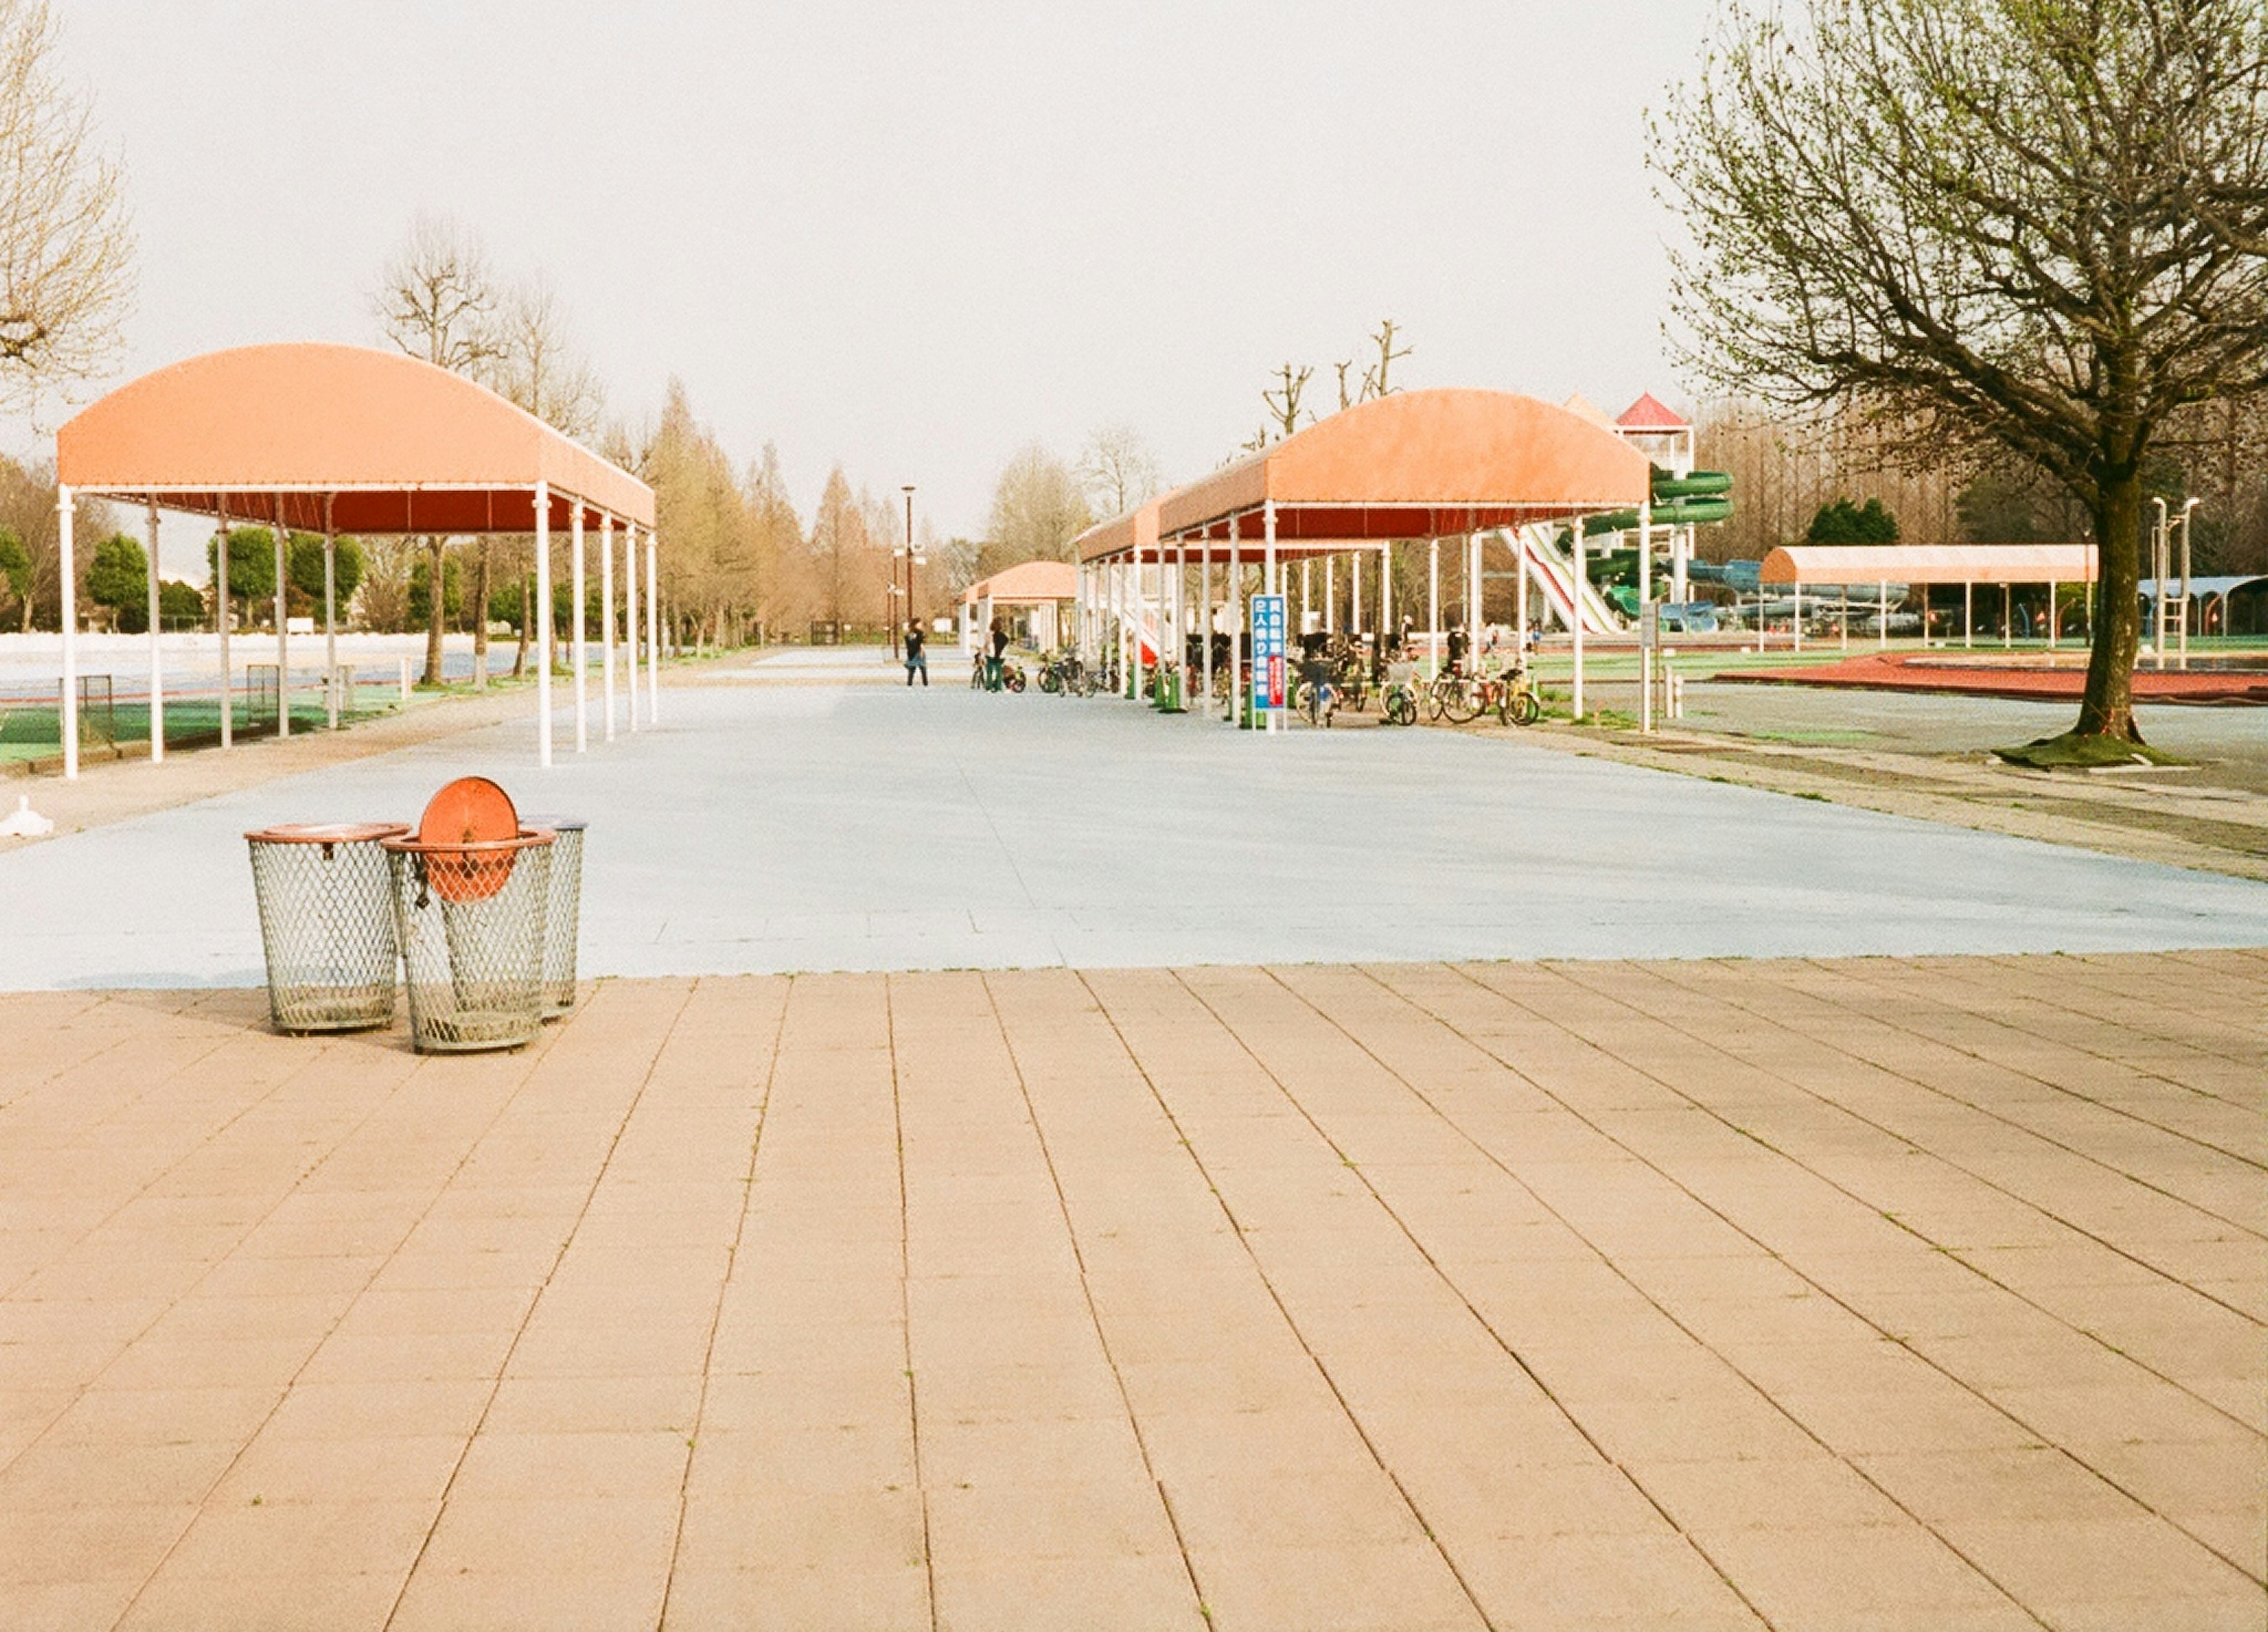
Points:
(1692, 501)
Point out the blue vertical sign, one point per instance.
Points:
(1268, 649)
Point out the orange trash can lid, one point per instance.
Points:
(471, 809)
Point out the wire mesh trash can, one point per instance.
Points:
(562, 922)
(326, 923)
(469, 916)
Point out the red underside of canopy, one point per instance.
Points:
(1322, 530)
(442, 510)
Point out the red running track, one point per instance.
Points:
(1935, 672)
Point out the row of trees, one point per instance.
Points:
(1788, 467)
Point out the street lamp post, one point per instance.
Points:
(910, 551)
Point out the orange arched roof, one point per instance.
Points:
(1136, 530)
(397, 445)
(1929, 564)
(1419, 464)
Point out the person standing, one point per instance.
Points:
(916, 658)
(999, 646)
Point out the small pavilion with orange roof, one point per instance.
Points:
(335, 438)
(1416, 466)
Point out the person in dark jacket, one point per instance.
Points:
(999, 643)
(916, 658)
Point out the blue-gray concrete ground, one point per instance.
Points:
(767, 828)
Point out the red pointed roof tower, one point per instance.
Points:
(1648, 413)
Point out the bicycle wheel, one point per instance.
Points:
(1401, 708)
(1526, 710)
(1014, 678)
(1460, 705)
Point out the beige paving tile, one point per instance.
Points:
(1041, 1594)
(1366, 1587)
(871, 1596)
(306, 1599)
(1463, 1219)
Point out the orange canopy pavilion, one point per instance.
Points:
(1419, 465)
(326, 439)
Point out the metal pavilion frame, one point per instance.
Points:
(1114, 596)
(303, 505)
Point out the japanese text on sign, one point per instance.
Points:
(1268, 649)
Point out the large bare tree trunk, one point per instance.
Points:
(2106, 709)
(436, 579)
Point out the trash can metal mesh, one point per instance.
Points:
(327, 925)
(562, 922)
(470, 918)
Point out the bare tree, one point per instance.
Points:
(437, 300)
(1039, 507)
(1376, 379)
(1283, 400)
(537, 364)
(534, 364)
(1119, 469)
(2030, 228)
(66, 250)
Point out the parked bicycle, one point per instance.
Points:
(1516, 703)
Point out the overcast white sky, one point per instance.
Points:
(912, 237)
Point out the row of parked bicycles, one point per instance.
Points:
(1337, 677)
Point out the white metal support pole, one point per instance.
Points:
(542, 624)
(283, 624)
(156, 663)
(1968, 616)
(652, 628)
(1644, 599)
(1520, 612)
(330, 613)
(1307, 590)
(607, 618)
(582, 618)
(1275, 582)
(1354, 595)
(2158, 564)
(1237, 629)
(1330, 595)
(68, 567)
(1882, 616)
(220, 596)
(2053, 630)
(1205, 598)
(1181, 613)
(1385, 593)
(1141, 619)
(1433, 610)
(630, 616)
(1473, 602)
(1575, 616)
(2189, 508)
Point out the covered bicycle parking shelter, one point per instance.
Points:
(329, 439)
(1416, 465)
(1829, 570)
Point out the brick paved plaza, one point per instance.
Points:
(1832, 1294)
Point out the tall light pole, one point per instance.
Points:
(2188, 508)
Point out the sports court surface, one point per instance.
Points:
(1237, 1249)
